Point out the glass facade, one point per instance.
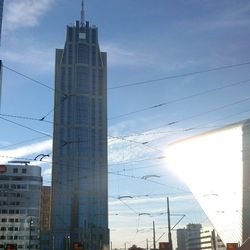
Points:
(79, 172)
(216, 168)
(1, 17)
(1, 68)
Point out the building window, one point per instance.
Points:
(82, 142)
(93, 55)
(83, 53)
(69, 80)
(94, 38)
(70, 54)
(93, 82)
(15, 170)
(70, 34)
(82, 80)
(100, 112)
(100, 82)
(93, 112)
(82, 111)
(63, 79)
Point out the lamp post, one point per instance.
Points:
(30, 223)
(68, 242)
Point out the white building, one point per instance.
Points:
(20, 197)
(194, 237)
(216, 167)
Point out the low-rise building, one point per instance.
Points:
(195, 237)
(20, 200)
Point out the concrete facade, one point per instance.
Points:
(20, 197)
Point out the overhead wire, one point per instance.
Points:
(26, 127)
(199, 114)
(28, 77)
(166, 103)
(138, 83)
(178, 75)
(22, 142)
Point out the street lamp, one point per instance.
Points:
(30, 223)
(68, 242)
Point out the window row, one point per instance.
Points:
(91, 34)
(22, 246)
(19, 186)
(21, 220)
(87, 80)
(17, 170)
(29, 212)
(17, 229)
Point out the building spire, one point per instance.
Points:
(82, 14)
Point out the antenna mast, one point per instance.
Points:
(82, 14)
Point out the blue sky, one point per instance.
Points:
(145, 40)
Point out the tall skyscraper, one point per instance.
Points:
(1, 66)
(1, 16)
(79, 173)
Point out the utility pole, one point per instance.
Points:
(147, 244)
(169, 226)
(125, 247)
(154, 235)
(110, 245)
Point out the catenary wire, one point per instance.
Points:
(154, 80)
(139, 110)
(159, 105)
(178, 76)
(22, 142)
(26, 127)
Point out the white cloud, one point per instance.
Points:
(25, 13)
(120, 56)
(41, 59)
(25, 151)
(152, 200)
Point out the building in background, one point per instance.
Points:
(79, 172)
(181, 239)
(45, 209)
(194, 237)
(216, 167)
(20, 192)
(45, 219)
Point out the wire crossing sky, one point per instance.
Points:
(175, 69)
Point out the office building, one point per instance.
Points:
(1, 17)
(45, 209)
(181, 239)
(20, 192)
(216, 167)
(195, 237)
(1, 66)
(79, 172)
